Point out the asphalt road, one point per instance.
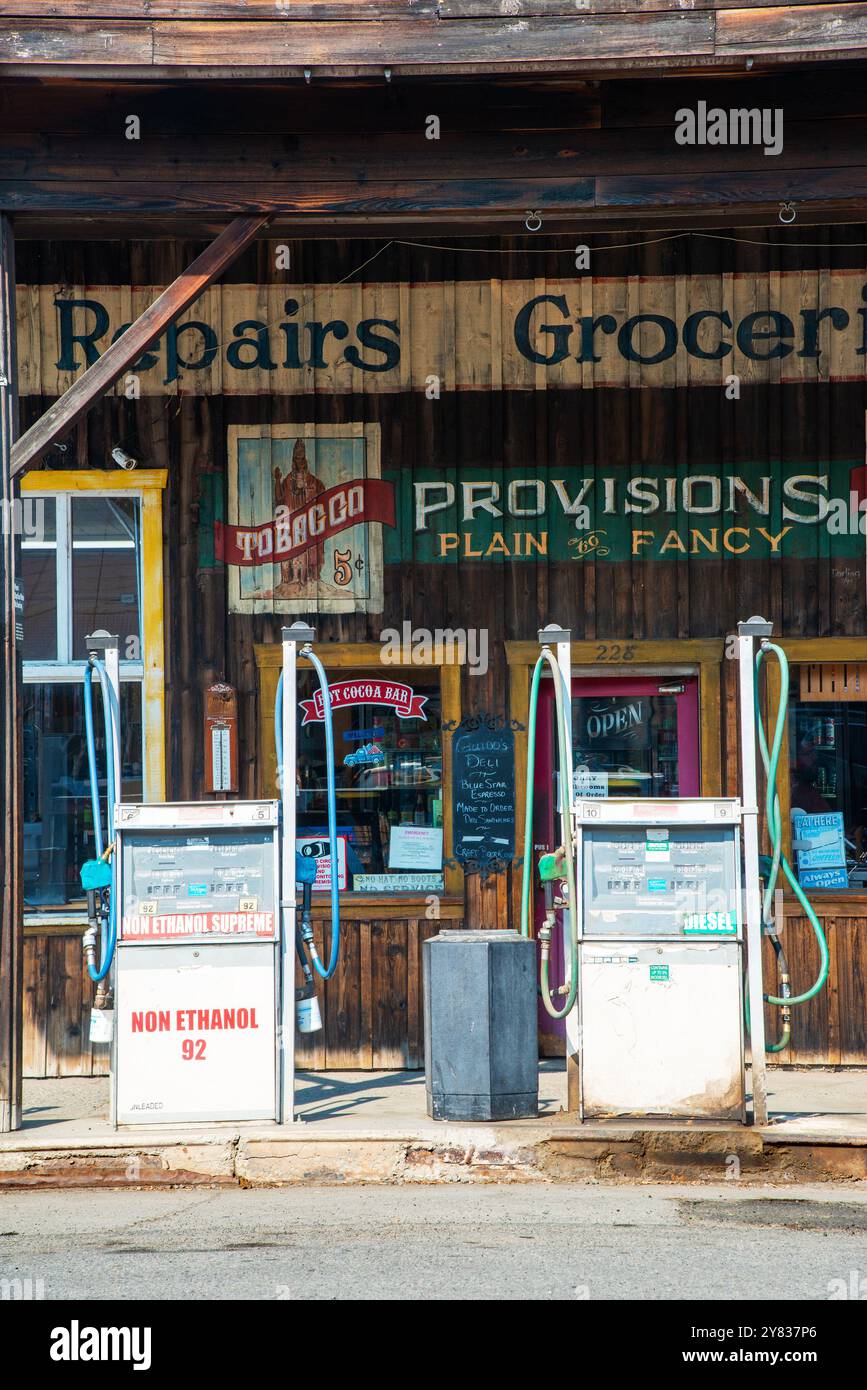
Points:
(515, 1242)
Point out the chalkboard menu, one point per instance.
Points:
(483, 793)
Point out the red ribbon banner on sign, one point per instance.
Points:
(331, 511)
(402, 699)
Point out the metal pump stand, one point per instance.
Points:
(298, 634)
(104, 647)
(747, 633)
(561, 639)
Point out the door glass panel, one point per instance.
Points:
(39, 578)
(625, 745)
(105, 571)
(58, 819)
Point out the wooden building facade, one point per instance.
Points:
(691, 476)
(643, 420)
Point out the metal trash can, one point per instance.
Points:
(480, 1032)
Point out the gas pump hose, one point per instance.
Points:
(773, 817)
(570, 988)
(103, 852)
(323, 971)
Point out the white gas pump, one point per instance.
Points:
(198, 986)
(659, 898)
(657, 1020)
(200, 900)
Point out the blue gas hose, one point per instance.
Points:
(325, 972)
(108, 943)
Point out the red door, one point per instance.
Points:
(632, 736)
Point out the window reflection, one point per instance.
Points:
(58, 819)
(39, 582)
(625, 745)
(104, 571)
(388, 775)
(828, 790)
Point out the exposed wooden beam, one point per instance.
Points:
(11, 753)
(84, 393)
(506, 200)
(130, 42)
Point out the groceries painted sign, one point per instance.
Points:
(629, 331)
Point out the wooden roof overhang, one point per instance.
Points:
(350, 158)
(313, 112)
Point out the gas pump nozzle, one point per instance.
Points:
(96, 882)
(307, 1011)
(552, 869)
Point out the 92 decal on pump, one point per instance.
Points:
(710, 924)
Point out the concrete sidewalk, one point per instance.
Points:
(372, 1127)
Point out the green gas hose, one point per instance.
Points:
(570, 988)
(778, 860)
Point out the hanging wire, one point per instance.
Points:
(560, 251)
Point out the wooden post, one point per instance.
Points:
(11, 754)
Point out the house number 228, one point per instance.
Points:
(614, 651)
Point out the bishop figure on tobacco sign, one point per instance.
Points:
(293, 490)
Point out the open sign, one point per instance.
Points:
(618, 722)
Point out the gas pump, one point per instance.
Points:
(663, 902)
(195, 929)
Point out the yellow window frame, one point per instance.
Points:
(148, 485)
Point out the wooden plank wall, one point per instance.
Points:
(372, 1005)
(57, 1000)
(359, 155)
(831, 1029)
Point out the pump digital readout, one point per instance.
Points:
(649, 881)
(208, 882)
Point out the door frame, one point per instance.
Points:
(609, 685)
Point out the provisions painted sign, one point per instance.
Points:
(642, 512)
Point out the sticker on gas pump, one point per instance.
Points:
(248, 905)
(709, 923)
(657, 847)
(660, 972)
(657, 885)
(185, 924)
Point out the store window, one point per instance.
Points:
(80, 571)
(828, 775)
(389, 778)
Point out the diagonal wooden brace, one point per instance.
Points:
(60, 418)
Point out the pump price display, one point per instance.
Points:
(210, 883)
(677, 881)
